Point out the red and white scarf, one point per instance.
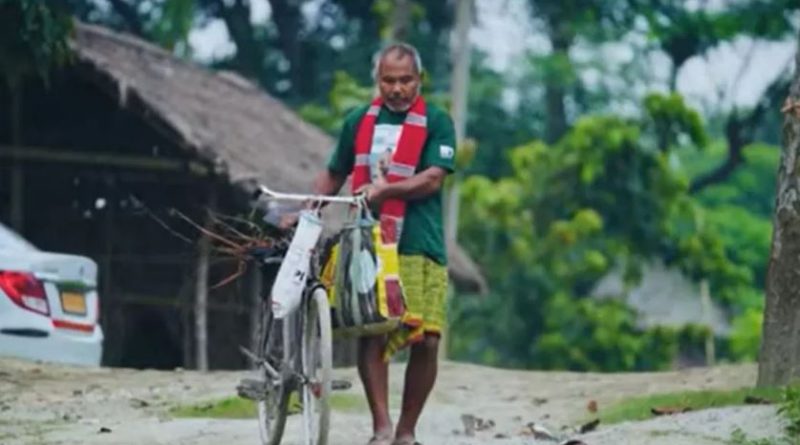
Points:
(404, 165)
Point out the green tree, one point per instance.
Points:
(606, 196)
(33, 39)
(165, 22)
(556, 79)
(564, 23)
(682, 32)
(292, 53)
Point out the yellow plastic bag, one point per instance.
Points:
(356, 274)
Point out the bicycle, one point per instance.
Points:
(282, 368)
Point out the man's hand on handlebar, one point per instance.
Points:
(289, 220)
(374, 193)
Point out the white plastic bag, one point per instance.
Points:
(287, 291)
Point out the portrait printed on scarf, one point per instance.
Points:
(384, 143)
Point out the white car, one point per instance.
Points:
(49, 307)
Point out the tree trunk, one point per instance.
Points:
(130, 16)
(460, 94)
(740, 131)
(556, 93)
(249, 56)
(673, 79)
(401, 20)
(288, 18)
(779, 361)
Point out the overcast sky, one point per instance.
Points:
(738, 71)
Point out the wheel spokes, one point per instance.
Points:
(312, 388)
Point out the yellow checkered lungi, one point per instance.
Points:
(425, 288)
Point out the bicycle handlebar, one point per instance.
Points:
(271, 194)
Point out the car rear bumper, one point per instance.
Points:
(53, 345)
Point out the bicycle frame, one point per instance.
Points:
(296, 327)
(265, 192)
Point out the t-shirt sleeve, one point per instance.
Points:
(440, 151)
(343, 157)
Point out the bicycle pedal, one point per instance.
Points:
(252, 389)
(341, 385)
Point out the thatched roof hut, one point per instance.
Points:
(219, 117)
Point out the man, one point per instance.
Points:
(399, 150)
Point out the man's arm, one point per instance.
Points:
(328, 182)
(421, 185)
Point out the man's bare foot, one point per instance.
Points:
(381, 438)
(405, 440)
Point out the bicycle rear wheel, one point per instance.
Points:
(274, 406)
(317, 365)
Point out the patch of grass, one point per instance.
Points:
(230, 408)
(790, 409)
(639, 408)
(740, 438)
(658, 433)
(239, 408)
(348, 403)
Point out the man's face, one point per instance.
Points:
(398, 81)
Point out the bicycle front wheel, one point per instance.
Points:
(273, 407)
(317, 362)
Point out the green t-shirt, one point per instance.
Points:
(423, 229)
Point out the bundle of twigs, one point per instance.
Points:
(233, 237)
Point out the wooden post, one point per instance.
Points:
(201, 292)
(107, 303)
(17, 185)
(185, 304)
(705, 300)
(256, 289)
(201, 304)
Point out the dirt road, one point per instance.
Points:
(46, 404)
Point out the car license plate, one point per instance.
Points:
(73, 303)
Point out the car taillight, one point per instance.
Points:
(25, 290)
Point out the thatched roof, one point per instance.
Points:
(219, 117)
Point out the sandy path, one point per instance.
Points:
(46, 404)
